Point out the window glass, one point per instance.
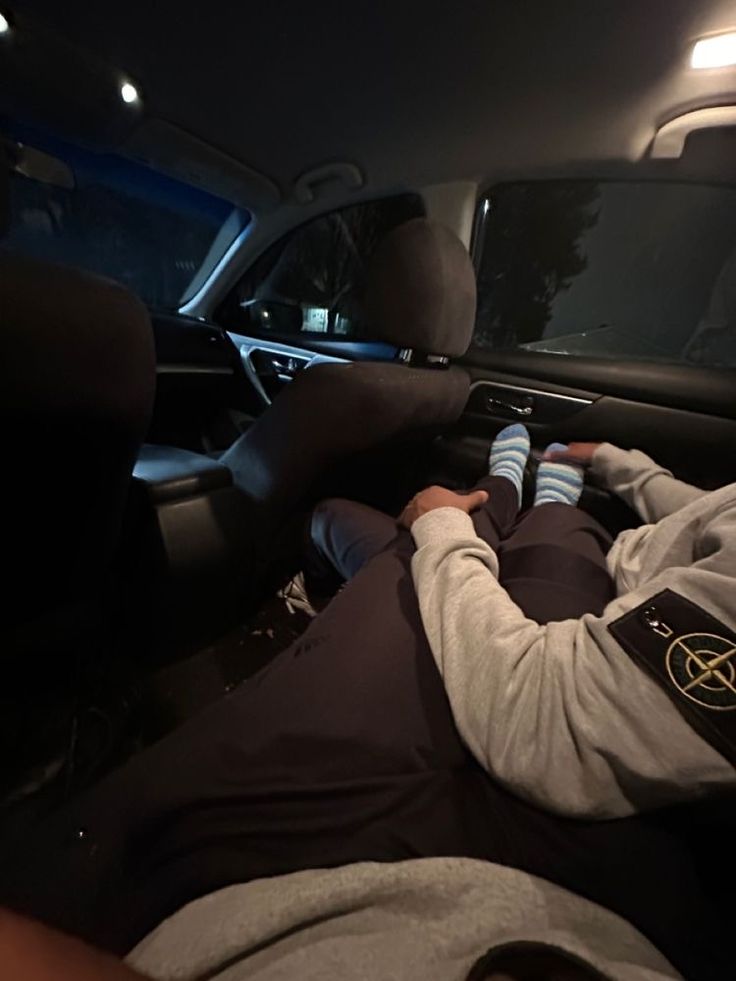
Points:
(643, 271)
(119, 219)
(312, 282)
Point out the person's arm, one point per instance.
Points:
(30, 951)
(559, 713)
(646, 487)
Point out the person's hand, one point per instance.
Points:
(581, 454)
(439, 497)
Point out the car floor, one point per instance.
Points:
(61, 739)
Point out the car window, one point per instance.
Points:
(633, 270)
(119, 219)
(311, 283)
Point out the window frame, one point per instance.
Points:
(314, 339)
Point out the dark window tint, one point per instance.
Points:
(645, 271)
(312, 282)
(119, 219)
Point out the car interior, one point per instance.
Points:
(269, 254)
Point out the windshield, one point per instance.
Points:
(122, 220)
(640, 270)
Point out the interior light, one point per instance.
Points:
(129, 93)
(715, 52)
(4, 24)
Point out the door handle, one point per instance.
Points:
(526, 409)
(289, 366)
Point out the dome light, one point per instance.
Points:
(4, 24)
(718, 51)
(129, 93)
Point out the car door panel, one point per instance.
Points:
(522, 403)
(203, 400)
(693, 444)
(672, 427)
(710, 391)
(690, 444)
(269, 365)
(212, 383)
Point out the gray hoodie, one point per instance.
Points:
(421, 920)
(560, 714)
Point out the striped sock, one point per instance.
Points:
(559, 483)
(509, 454)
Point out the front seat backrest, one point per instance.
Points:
(76, 392)
(420, 296)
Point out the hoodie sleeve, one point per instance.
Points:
(648, 488)
(559, 714)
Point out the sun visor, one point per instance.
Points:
(172, 151)
(51, 85)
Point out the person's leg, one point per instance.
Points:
(509, 454)
(506, 463)
(495, 519)
(553, 564)
(342, 750)
(342, 536)
(553, 560)
(558, 482)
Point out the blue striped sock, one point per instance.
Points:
(558, 483)
(509, 454)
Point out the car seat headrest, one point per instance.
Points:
(77, 381)
(421, 290)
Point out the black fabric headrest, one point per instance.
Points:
(77, 380)
(421, 290)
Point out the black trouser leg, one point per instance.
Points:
(552, 559)
(342, 750)
(553, 564)
(344, 535)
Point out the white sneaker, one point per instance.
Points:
(295, 596)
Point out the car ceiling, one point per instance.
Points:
(413, 92)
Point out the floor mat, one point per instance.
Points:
(58, 742)
(179, 691)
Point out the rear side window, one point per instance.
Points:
(626, 270)
(312, 282)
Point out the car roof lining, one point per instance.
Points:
(442, 97)
(414, 93)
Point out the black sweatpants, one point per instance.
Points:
(552, 559)
(344, 749)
